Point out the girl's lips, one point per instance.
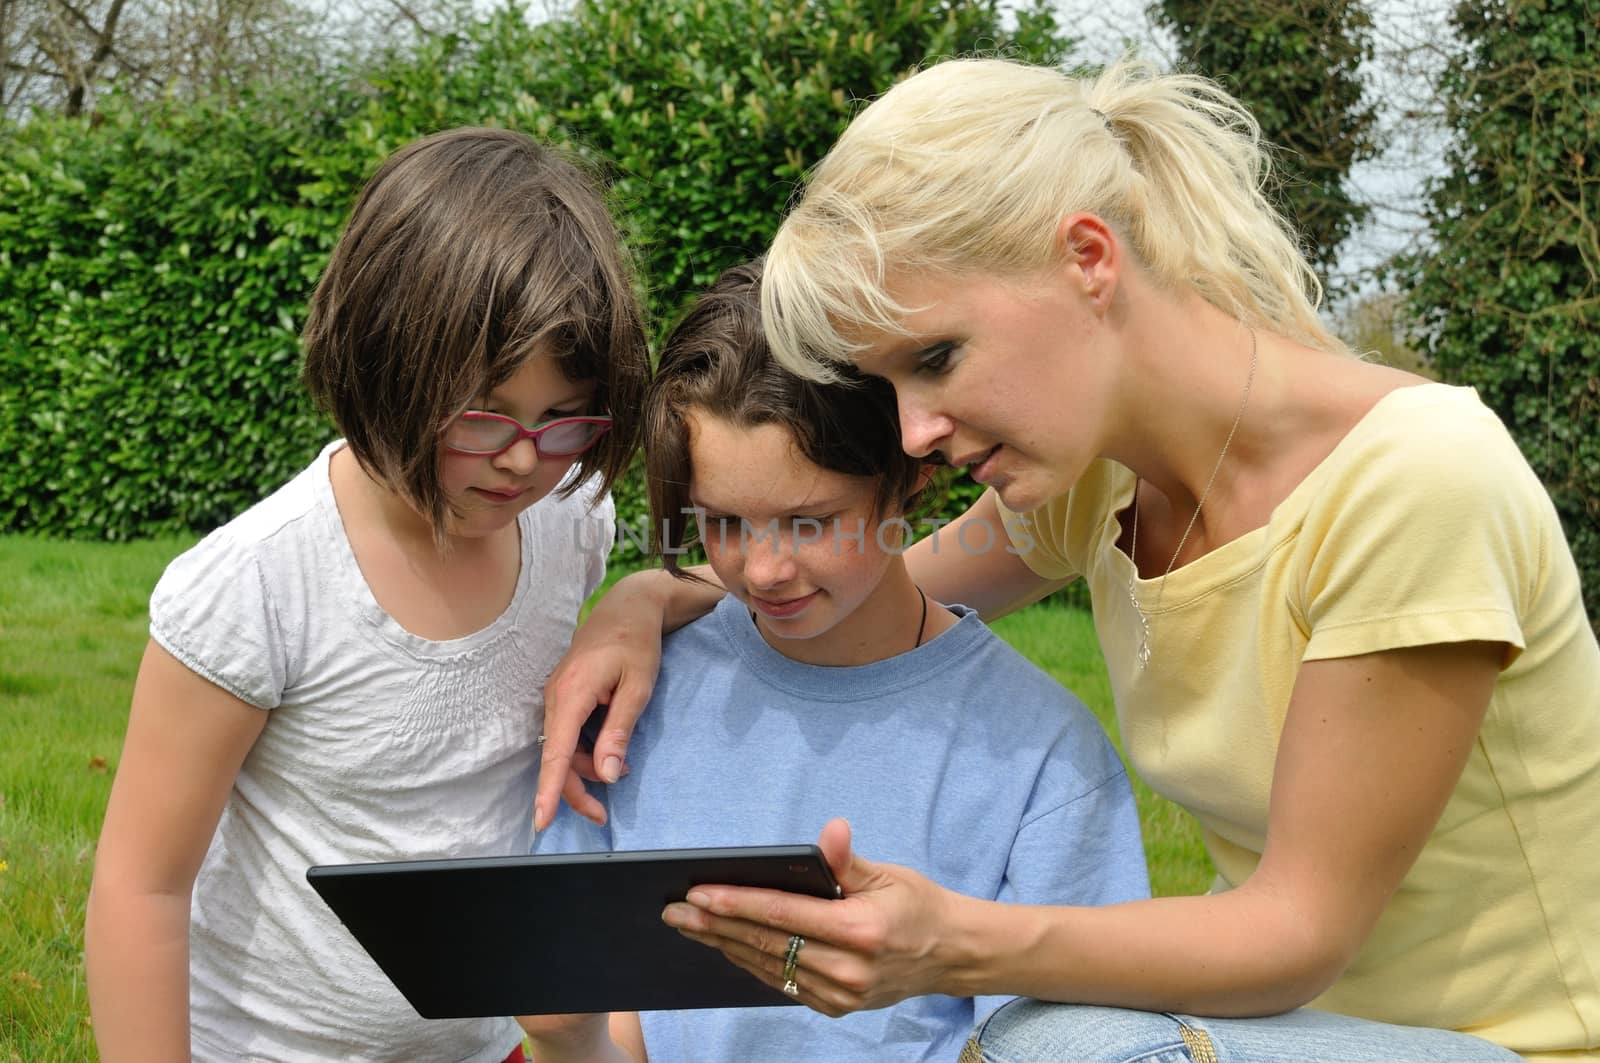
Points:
(781, 610)
(500, 496)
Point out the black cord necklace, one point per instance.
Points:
(923, 626)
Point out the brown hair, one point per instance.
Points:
(716, 361)
(466, 253)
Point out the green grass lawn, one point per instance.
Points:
(72, 627)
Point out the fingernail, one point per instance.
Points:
(673, 915)
(611, 769)
(699, 899)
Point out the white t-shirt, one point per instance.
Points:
(381, 746)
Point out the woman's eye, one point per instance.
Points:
(935, 359)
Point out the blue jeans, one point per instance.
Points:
(1030, 1031)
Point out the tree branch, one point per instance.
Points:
(36, 71)
(411, 17)
(78, 16)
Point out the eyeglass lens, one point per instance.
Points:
(488, 434)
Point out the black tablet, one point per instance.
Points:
(557, 933)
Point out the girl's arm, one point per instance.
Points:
(186, 740)
(1372, 749)
(615, 655)
(616, 1038)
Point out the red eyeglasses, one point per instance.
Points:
(488, 434)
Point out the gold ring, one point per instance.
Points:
(790, 958)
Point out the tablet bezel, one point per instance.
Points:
(556, 933)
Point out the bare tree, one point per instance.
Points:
(59, 54)
(56, 51)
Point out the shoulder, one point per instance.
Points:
(1425, 525)
(586, 503)
(1430, 467)
(1009, 696)
(251, 540)
(219, 607)
(981, 652)
(1435, 441)
(712, 628)
(703, 651)
(580, 524)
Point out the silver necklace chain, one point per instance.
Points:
(1133, 545)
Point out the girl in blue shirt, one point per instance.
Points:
(827, 680)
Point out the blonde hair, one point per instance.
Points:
(969, 165)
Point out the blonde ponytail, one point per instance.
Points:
(968, 165)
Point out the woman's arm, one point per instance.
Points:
(186, 740)
(612, 661)
(1371, 751)
(971, 561)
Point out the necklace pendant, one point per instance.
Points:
(1143, 653)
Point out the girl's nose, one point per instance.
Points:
(519, 459)
(768, 558)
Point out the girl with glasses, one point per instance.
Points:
(826, 683)
(351, 670)
(1341, 621)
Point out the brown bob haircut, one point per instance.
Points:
(716, 362)
(468, 252)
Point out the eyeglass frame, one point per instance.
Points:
(604, 420)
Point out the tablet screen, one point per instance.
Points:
(557, 933)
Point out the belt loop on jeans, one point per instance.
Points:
(1198, 1042)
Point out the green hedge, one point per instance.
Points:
(1507, 296)
(1298, 67)
(151, 275)
(709, 113)
(155, 260)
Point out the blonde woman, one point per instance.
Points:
(1342, 623)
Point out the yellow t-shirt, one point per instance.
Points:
(1424, 525)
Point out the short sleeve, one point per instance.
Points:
(1058, 540)
(1431, 533)
(212, 610)
(1086, 850)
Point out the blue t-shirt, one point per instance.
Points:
(958, 759)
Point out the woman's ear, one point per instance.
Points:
(1091, 256)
